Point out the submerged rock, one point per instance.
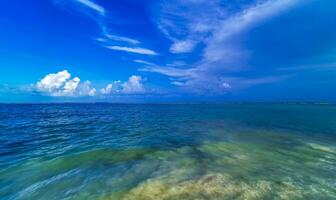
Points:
(211, 186)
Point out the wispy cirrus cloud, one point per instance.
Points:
(322, 66)
(171, 71)
(183, 46)
(216, 27)
(92, 5)
(107, 38)
(187, 22)
(211, 28)
(119, 39)
(242, 21)
(144, 62)
(136, 50)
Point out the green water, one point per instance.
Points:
(170, 152)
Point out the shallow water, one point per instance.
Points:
(205, 151)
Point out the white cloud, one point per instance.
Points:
(217, 46)
(177, 83)
(144, 62)
(133, 85)
(189, 22)
(61, 84)
(226, 85)
(71, 86)
(122, 39)
(85, 89)
(171, 71)
(182, 46)
(186, 24)
(107, 36)
(133, 50)
(53, 82)
(92, 92)
(107, 89)
(92, 5)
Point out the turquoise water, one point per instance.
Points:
(204, 151)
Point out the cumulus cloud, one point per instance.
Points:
(71, 85)
(133, 85)
(53, 82)
(85, 89)
(61, 84)
(107, 89)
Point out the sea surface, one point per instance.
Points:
(167, 151)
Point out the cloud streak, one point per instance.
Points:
(92, 5)
(113, 41)
(144, 62)
(215, 45)
(136, 50)
(186, 22)
(171, 71)
(216, 28)
(122, 39)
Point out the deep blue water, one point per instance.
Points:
(167, 151)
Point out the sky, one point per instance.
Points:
(162, 51)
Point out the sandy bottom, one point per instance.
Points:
(274, 169)
(211, 186)
(232, 171)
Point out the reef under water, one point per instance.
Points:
(168, 152)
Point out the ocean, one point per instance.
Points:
(167, 151)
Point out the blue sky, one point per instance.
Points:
(177, 50)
